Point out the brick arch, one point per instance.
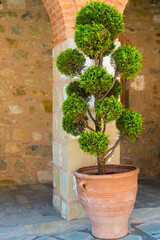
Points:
(63, 12)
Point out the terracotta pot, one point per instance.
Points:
(108, 200)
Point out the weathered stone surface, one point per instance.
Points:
(28, 44)
(47, 76)
(7, 182)
(6, 121)
(154, 70)
(12, 43)
(3, 164)
(155, 152)
(8, 15)
(49, 135)
(15, 29)
(33, 82)
(37, 164)
(40, 92)
(150, 131)
(56, 98)
(13, 108)
(47, 53)
(19, 165)
(20, 55)
(34, 30)
(27, 72)
(12, 148)
(45, 176)
(32, 109)
(56, 179)
(39, 150)
(27, 16)
(4, 91)
(46, 106)
(19, 91)
(36, 136)
(26, 178)
(43, 122)
(38, 16)
(38, 64)
(7, 72)
(16, 4)
(20, 134)
(1, 132)
(2, 28)
(36, 2)
(26, 121)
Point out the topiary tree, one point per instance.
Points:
(97, 26)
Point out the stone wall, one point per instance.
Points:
(142, 29)
(26, 42)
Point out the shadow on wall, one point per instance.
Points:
(142, 29)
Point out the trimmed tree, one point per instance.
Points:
(97, 26)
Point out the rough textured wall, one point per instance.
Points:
(142, 28)
(25, 92)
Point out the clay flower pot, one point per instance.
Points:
(108, 200)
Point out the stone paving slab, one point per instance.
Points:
(28, 215)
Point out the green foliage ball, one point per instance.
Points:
(127, 60)
(92, 39)
(96, 80)
(93, 142)
(109, 108)
(116, 90)
(74, 106)
(72, 127)
(75, 87)
(71, 62)
(100, 13)
(130, 124)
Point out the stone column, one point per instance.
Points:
(67, 155)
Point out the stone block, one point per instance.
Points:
(56, 99)
(3, 164)
(19, 165)
(73, 211)
(40, 92)
(47, 53)
(33, 82)
(27, 72)
(26, 178)
(56, 179)
(43, 122)
(25, 121)
(32, 110)
(2, 28)
(56, 202)
(16, 4)
(6, 121)
(37, 163)
(1, 132)
(20, 55)
(36, 136)
(16, 30)
(38, 150)
(45, 176)
(19, 91)
(78, 235)
(8, 15)
(7, 72)
(27, 16)
(12, 148)
(4, 91)
(28, 44)
(57, 154)
(20, 134)
(49, 134)
(13, 108)
(46, 106)
(35, 30)
(12, 43)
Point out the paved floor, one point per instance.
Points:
(26, 213)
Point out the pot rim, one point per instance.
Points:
(133, 170)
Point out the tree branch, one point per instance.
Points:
(112, 150)
(114, 79)
(86, 124)
(104, 127)
(90, 114)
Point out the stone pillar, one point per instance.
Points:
(67, 155)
